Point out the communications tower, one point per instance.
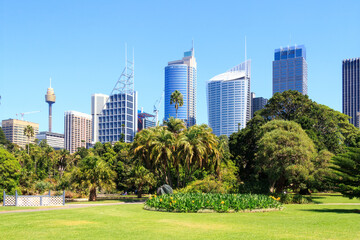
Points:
(50, 99)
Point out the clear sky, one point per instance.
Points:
(80, 44)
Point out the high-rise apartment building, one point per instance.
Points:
(77, 130)
(228, 100)
(14, 131)
(290, 69)
(351, 89)
(98, 103)
(54, 140)
(257, 103)
(119, 118)
(181, 75)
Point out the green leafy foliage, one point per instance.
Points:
(346, 167)
(284, 155)
(9, 173)
(194, 202)
(206, 185)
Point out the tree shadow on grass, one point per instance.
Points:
(327, 210)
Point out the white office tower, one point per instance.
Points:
(77, 130)
(229, 100)
(98, 103)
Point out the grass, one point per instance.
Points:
(332, 198)
(310, 221)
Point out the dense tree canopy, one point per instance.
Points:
(9, 172)
(330, 131)
(347, 172)
(285, 155)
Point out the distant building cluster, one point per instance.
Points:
(230, 102)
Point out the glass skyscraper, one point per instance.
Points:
(290, 69)
(228, 100)
(181, 75)
(351, 89)
(257, 103)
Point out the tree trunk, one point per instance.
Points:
(92, 196)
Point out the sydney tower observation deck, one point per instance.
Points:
(50, 99)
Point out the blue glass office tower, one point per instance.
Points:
(351, 89)
(228, 100)
(181, 75)
(257, 103)
(290, 69)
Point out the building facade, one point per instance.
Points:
(119, 118)
(257, 103)
(14, 131)
(77, 130)
(228, 100)
(98, 103)
(351, 89)
(145, 120)
(54, 140)
(181, 75)
(290, 69)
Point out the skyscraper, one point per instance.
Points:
(14, 131)
(98, 102)
(351, 89)
(228, 100)
(77, 130)
(290, 69)
(119, 118)
(181, 75)
(257, 103)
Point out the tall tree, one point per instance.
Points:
(346, 167)
(175, 125)
(9, 172)
(3, 139)
(178, 99)
(92, 173)
(29, 132)
(285, 155)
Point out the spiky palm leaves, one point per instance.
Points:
(162, 150)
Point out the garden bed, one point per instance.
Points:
(203, 203)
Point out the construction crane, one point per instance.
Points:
(25, 113)
(156, 108)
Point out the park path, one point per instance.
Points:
(67, 206)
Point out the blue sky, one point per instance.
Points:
(80, 44)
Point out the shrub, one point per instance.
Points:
(206, 185)
(291, 199)
(194, 202)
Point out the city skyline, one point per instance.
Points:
(83, 50)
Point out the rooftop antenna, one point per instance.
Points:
(192, 48)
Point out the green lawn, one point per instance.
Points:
(332, 198)
(130, 221)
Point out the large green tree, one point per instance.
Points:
(346, 167)
(285, 155)
(178, 99)
(92, 173)
(330, 131)
(9, 172)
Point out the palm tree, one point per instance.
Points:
(93, 172)
(162, 147)
(177, 98)
(29, 132)
(175, 125)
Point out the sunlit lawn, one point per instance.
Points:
(130, 221)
